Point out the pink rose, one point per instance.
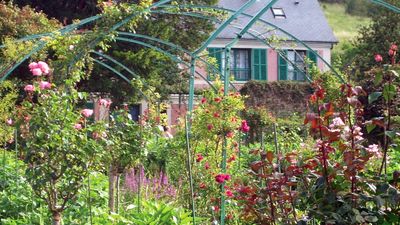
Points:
(105, 102)
(44, 85)
(220, 178)
(203, 100)
(378, 58)
(394, 47)
(391, 52)
(78, 126)
(229, 193)
(43, 67)
(10, 122)
(87, 113)
(33, 65)
(245, 128)
(37, 72)
(227, 177)
(29, 88)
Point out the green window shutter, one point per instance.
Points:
(282, 67)
(217, 54)
(312, 56)
(259, 64)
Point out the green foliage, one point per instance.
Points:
(8, 96)
(18, 205)
(281, 98)
(376, 38)
(18, 22)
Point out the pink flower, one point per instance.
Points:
(220, 178)
(391, 52)
(199, 158)
(87, 113)
(33, 65)
(230, 134)
(378, 58)
(216, 115)
(207, 166)
(245, 128)
(37, 72)
(227, 177)
(229, 193)
(202, 186)
(44, 85)
(9, 122)
(44, 67)
(105, 102)
(374, 150)
(394, 47)
(210, 126)
(203, 100)
(78, 126)
(29, 88)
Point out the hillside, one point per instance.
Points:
(344, 26)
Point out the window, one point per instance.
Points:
(296, 69)
(134, 110)
(278, 13)
(245, 64)
(298, 59)
(241, 64)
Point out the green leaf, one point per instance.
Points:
(373, 97)
(370, 127)
(389, 91)
(378, 78)
(390, 134)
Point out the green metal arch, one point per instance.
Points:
(117, 73)
(174, 58)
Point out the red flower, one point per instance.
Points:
(207, 166)
(233, 119)
(210, 126)
(232, 158)
(229, 193)
(245, 128)
(220, 178)
(229, 216)
(215, 208)
(216, 115)
(230, 134)
(227, 177)
(202, 186)
(378, 58)
(203, 100)
(218, 99)
(199, 158)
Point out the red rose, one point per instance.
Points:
(210, 126)
(229, 193)
(220, 178)
(199, 158)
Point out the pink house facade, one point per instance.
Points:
(256, 59)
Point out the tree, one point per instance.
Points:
(375, 39)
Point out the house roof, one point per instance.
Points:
(304, 19)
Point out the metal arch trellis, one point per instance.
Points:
(8, 69)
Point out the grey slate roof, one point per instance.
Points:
(304, 20)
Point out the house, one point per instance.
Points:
(251, 59)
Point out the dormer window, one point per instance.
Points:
(278, 13)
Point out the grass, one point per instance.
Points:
(345, 26)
